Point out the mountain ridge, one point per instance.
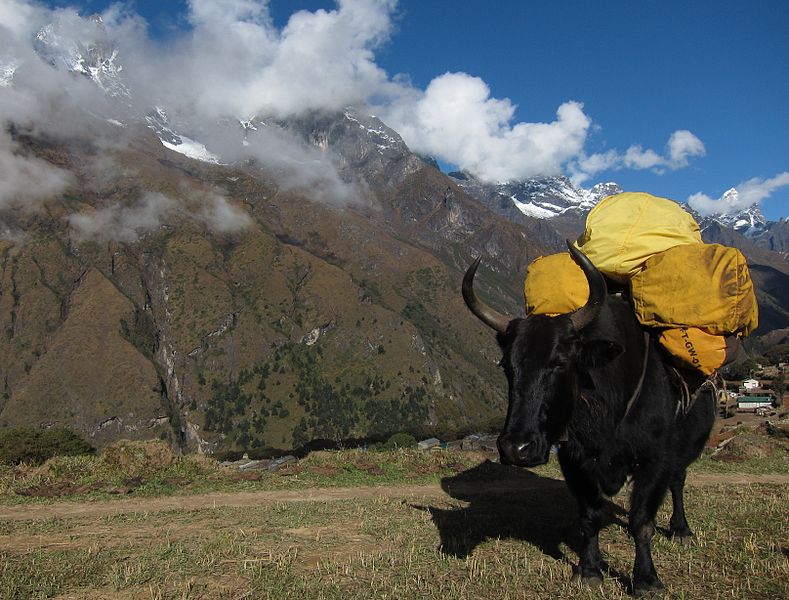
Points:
(243, 284)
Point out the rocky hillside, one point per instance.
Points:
(243, 284)
(563, 207)
(307, 319)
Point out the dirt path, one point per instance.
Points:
(65, 510)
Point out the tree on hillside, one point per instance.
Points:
(740, 370)
(779, 387)
(777, 354)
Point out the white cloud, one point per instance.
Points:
(216, 213)
(124, 223)
(17, 17)
(127, 223)
(682, 145)
(458, 121)
(638, 158)
(743, 196)
(234, 63)
(26, 181)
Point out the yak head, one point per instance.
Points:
(544, 358)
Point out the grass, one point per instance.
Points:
(194, 475)
(504, 547)
(497, 532)
(154, 471)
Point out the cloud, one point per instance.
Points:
(128, 223)
(124, 223)
(216, 213)
(17, 17)
(233, 63)
(26, 181)
(682, 145)
(458, 121)
(739, 198)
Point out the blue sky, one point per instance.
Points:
(642, 71)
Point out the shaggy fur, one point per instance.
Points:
(576, 385)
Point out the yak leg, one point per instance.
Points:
(678, 525)
(689, 440)
(591, 508)
(649, 489)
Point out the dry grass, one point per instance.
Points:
(495, 533)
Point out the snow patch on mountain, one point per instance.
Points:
(533, 210)
(384, 137)
(7, 69)
(539, 197)
(193, 149)
(82, 46)
(749, 222)
(159, 124)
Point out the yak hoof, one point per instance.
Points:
(593, 580)
(684, 539)
(649, 590)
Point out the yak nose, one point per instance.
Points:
(522, 450)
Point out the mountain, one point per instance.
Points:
(249, 304)
(557, 202)
(775, 237)
(749, 222)
(240, 284)
(541, 198)
(82, 46)
(258, 282)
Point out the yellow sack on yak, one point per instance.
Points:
(696, 285)
(699, 349)
(554, 285)
(624, 230)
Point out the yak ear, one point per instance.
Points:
(598, 353)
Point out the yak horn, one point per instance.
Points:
(484, 313)
(597, 290)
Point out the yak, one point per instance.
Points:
(594, 382)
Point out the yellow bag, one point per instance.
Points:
(696, 285)
(624, 230)
(698, 349)
(554, 285)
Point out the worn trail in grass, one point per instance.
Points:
(482, 532)
(213, 500)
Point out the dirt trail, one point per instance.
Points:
(66, 510)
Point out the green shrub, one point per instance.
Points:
(399, 440)
(29, 445)
(138, 458)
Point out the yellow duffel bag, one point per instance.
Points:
(624, 230)
(554, 285)
(698, 349)
(696, 285)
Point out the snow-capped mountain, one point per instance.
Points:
(359, 141)
(158, 122)
(550, 197)
(356, 140)
(83, 46)
(750, 222)
(540, 197)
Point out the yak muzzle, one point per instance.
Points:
(523, 450)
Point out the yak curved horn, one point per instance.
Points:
(484, 313)
(597, 290)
